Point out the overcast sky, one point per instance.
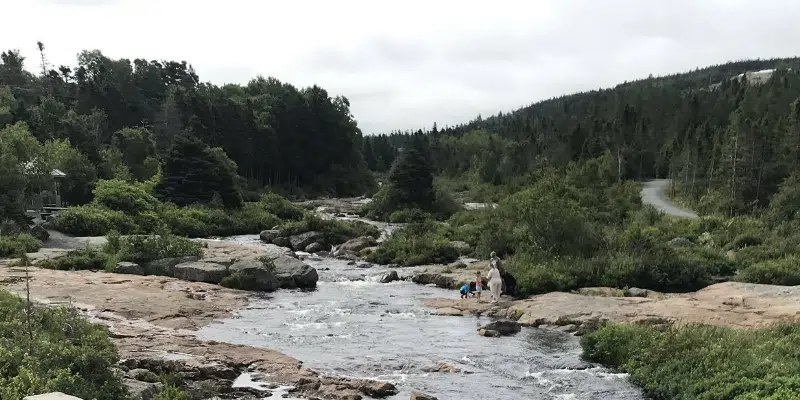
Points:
(406, 64)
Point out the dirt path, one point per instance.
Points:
(653, 193)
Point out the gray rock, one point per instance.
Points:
(282, 241)
(293, 273)
(40, 232)
(457, 265)
(444, 282)
(260, 276)
(301, 241)
(364, 265)
(130, 268)
(315, 247)
(421, 396)
(198, 271)
(503, 328)
(324, 253)
(166, 266)
(357, 244)
(636, 292)
(390, 277)
(462, 247)
(488, 333)
(142, 390)
(680, 242)
(269, 235)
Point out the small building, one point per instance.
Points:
(45, 201)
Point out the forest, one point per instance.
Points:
(726, 142)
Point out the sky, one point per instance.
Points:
(407, 64)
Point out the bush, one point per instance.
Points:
(333, 231)
(67, 353)
(280, 207)
(119, 195)
(81, 259)
(170, 392)
(17, 245)
(702, 362)
(93, 221)
(145, 248)
(416, 244)
(409, 215)
(783, 271)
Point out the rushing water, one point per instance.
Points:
(354, 326)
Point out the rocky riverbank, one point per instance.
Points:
(729, 304)
(152, 319)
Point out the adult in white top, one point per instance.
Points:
(495, 280)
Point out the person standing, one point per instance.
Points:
(495, 282)
(478, 285)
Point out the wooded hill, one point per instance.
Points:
(728, 140)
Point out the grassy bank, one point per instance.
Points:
(702, 362)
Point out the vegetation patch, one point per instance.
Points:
(702, 362)
(17, 245)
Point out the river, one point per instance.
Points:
(353, 325)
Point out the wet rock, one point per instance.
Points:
(461, 246)
(457, 265)
(680, 242)
(422, 396)
(439, 280)
(130, 268)
(488, 333)
(301, 241)
(345, 255)
(324, 253)
(504, 328)
(314, 247)
(293, 273)
(377, 389)
(282, 242)
(357, 244)
(261, 277)
(570, 364)
(198, 271)
(445, 368)
(166, 266)
(267, 236)
(40, 232)
(390, 277)
(142, 390)
(364, 265)
(570, 328)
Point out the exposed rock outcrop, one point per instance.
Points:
(293, 273)
(357, 244)
(300, 241)
(260, 276)
(390, 277)
(267, 236)
(130, 268)
(199, 271)
(503, 328)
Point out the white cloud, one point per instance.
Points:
(407, 64)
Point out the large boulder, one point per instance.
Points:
(269, 235)
(142, 390)
(256, 274)
(504, 328)
(390, 277)
(421, 396)
(166, 266)
(40, 232)
(301, 241)
(130, 268)
(680, 242)
(357, 244)
(293, 273)
(282, 242)
(442, 281)
(198, 271)
(314, 248)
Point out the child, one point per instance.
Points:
(464, 290)
(478, 286)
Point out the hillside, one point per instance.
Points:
(708, 129)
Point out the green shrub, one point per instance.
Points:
(415, 244)
(333, 231)
(93, 221)
(280, 207)
(783, 271)
(17, 245)
(80, 259)
(67, 354)
(145, 248)
(409, 215)
(170, 392)
(702, 362)
(119, 195)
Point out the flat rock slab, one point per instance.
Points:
(199, 271)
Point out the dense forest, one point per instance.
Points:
(727, 142)
(123, 116)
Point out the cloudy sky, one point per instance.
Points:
(405, 64)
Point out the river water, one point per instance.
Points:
(352, 325)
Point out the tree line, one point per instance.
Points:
(124, 116)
